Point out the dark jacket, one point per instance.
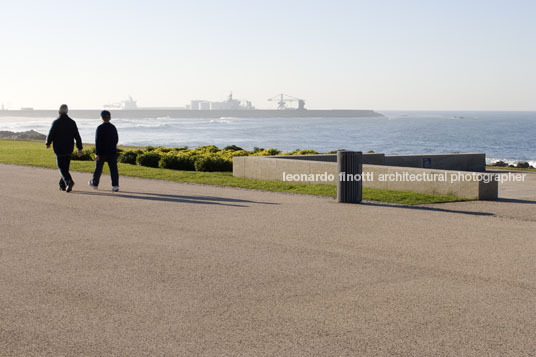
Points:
(106, 140)
(62, 135)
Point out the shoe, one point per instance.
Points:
(90, 183)
(115, 189)
(70, 186)
(61, 188)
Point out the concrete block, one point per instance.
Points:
(270, 168)
(454, 161)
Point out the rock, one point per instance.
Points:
(499, 164)
(522, 165)
(23, 135)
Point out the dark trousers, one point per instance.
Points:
(112, 164)
(64, 161)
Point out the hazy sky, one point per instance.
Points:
(442, 54)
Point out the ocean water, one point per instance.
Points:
(508, 136)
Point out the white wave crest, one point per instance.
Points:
(221, 120)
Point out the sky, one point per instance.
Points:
(382, 55)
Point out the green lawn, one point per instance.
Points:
(35, 154)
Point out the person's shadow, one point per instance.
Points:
(427, 208)
(203, 200)
(516, 200)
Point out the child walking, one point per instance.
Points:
(106, 151)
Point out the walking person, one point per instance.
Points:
(106, 140)
(62, 135)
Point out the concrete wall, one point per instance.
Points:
(452, 184)
(463, 162)
(270, 168)
(368, 158)
(454, 161)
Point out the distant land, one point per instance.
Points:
(229, 108)
(209, 114)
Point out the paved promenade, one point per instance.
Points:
(168, 269)
(524, 190)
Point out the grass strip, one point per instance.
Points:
(35, 154)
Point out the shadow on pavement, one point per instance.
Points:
(433, 209)
(516, 200)
(204, 200)
(201, 198)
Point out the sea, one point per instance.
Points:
(506, 136)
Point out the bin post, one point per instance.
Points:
(349, 170)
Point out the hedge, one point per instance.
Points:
(204, 158)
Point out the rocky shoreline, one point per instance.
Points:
(23, 135)
(519, 165)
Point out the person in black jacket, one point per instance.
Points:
(62, 135)
(106, 140)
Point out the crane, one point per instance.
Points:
(283, 99)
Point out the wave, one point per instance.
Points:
(222, 120)
(160, 125)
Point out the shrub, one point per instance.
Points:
(149, 159)
(305, 152)
(129, 157)
(301, 152)
(230, 154)
(87, 155)
(177, 162)
(212, 163)
(149, 148)
(163, 150)
(207, 149)
(256, 150)
(233, 148)
(267, 152)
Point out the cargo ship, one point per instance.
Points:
(235, 108)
